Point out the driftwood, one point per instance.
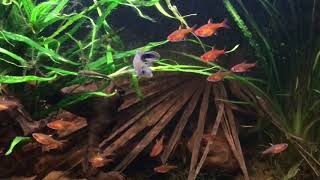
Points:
(185, 95)
(137, 117)
(156, 113)
(220, 107)
(199, 132)
(138, 122)
(180, 126)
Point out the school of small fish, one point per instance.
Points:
(208, 30)
(142, 63)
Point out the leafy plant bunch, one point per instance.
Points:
(289, 50)
(39, 43)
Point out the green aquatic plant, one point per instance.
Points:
(17, 140)
(240, 23)
(45, 54)
(289, 96)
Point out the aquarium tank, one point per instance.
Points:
(160, 89)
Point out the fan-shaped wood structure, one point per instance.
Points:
(172, 102)
(165, 96)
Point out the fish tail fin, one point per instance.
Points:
(225, 24)
(265, 152)
(64, 141)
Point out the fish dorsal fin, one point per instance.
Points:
(271, 144)
(180, 27)
(210, 21)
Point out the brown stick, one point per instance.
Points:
(180, 126)
(234, 139)
(214, 130)
(199, 132)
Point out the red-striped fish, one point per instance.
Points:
(243, 67)
(275, 149)
(218, 76)
(180, 34)
(212, 55)
(210, 28)
(157, 148)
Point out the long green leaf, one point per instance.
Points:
(135, 85)
(22, 61)
(160, 9)
(316, 61)
(132, 52)
(15, 142)
(74, 99)
(60, 71)
(28, 7)
(6, 79)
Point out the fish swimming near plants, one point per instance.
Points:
(243, 67)
(180, 34)
(157, 148)
(99, 161)
(47, 141)
(141, 67)
(218, 76)
(60, 125)
(275, 149)
(164, 168)
(6, 103)
(212, 55)
(211, 28)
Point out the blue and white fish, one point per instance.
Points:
(143, 68)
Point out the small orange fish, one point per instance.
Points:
(7, 104)
(61, 125)
(47, 141)
(180, 34)
(212, 55)
(208, 137)
(99, 161)
(210, 28)
(243, 67)
(3, 107)
(218, 76)
(157, 148)
(164, 168)
(275, 149)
